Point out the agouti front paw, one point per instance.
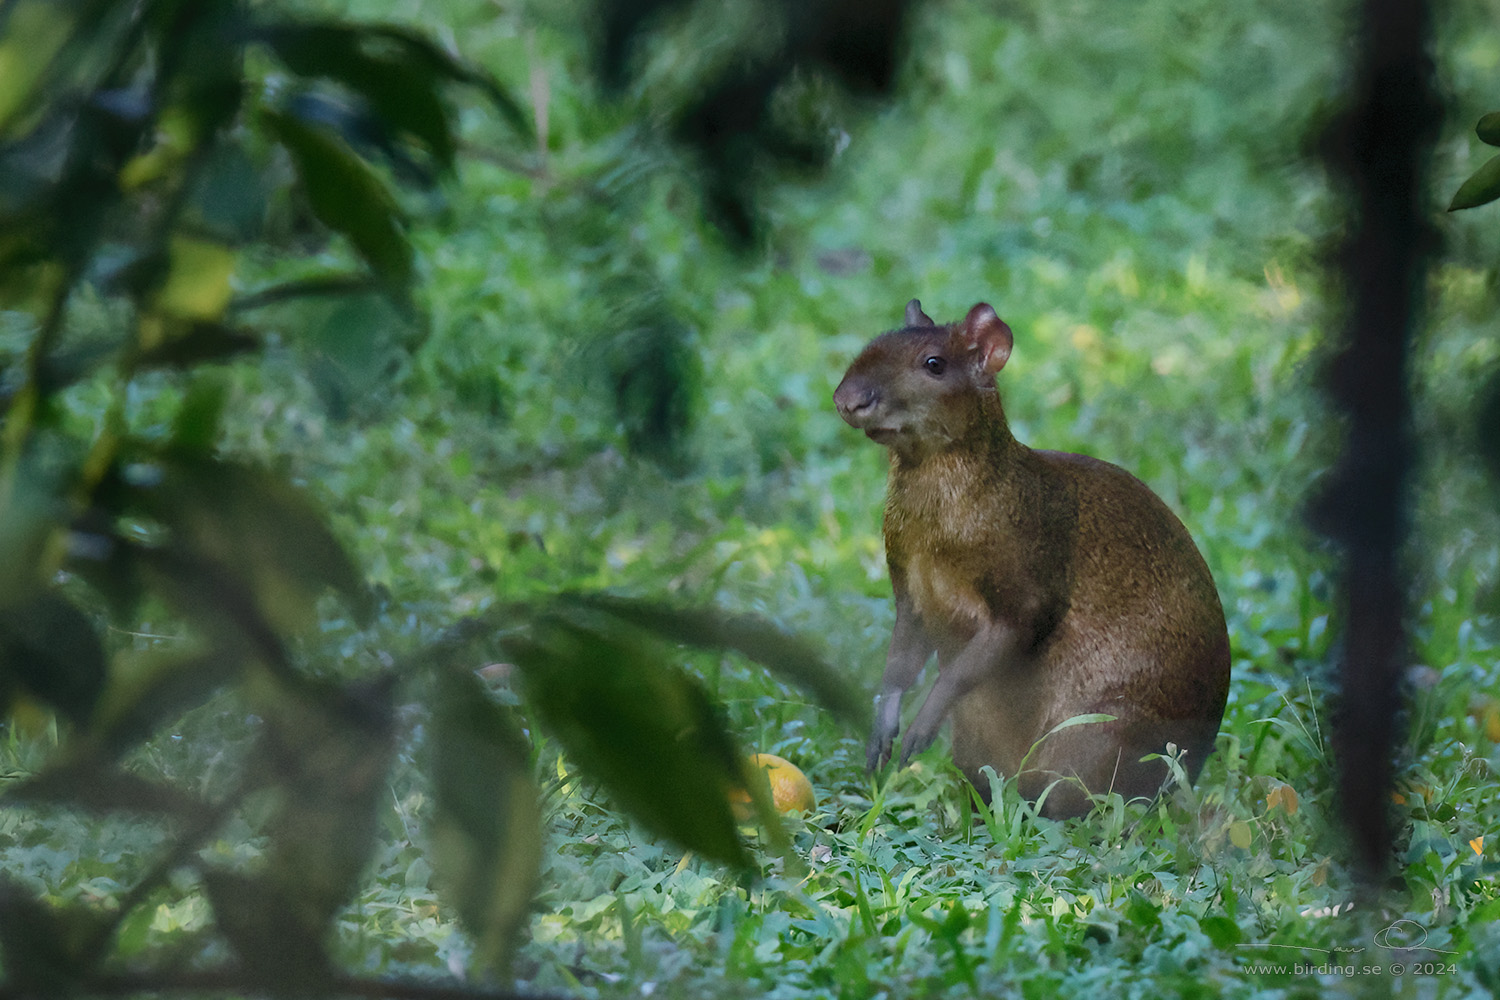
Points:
(918, 738)
(883, 728)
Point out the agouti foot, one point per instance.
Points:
(917, 739)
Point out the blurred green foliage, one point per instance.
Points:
(148, 154)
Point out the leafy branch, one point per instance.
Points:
(1483, 186)
(171, 146)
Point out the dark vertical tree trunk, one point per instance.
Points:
(1379, 148)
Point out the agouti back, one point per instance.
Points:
(1049, 585)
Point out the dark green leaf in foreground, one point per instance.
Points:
(50, 650)
(34, 944)
(34, 32)
(148, 691)
(398, 78)
(1487, 425)
(31, 499)
(1488, 129)
(486, 827)
(196, 426)
(348, 196)
(643, 728)
(256, 528)
(258, 917)
(755, 638)
(1480, 189)
(215, 596)
(354, 349)
(328, 751)
(652, 369)
(397, 70)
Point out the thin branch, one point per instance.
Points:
(95, 951)
(506, 161)
(322, 286)
(1380, 146)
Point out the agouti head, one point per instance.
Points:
(926, 387)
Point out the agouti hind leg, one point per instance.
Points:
(1096, 758)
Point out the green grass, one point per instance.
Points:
(1128, 190)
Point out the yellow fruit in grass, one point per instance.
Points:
(790, 788)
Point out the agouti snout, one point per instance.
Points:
(1049, 585)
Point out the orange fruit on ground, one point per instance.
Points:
(1486, 712)
(790, 788)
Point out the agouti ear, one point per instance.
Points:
(915, 316)
(987, 333)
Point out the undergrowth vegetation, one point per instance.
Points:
(1131, 192)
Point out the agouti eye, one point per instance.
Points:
(935, 364)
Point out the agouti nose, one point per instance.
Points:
(854, 398)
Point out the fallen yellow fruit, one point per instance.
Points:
(790, 788)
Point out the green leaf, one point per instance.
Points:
(327, 748)
(957, 921)
(391, 71)
(245, 531)
(149, 690)
(317, 286)
(348, 196)
(197, 283)
(1487, 424)
(34, 32)
(213, 595)
(50, 649)
(1221, 930)
(231, 194)
(35, 944)
(1480, 189)
(420, 48)
(1086, 719)
(486, 826)
(1142, 911)
(360, 339)
(755, 638)
(31, 501)
(260, 920)
(207, 72)
(1488, 129)
(645, 730)
(1239, 834)
(651, 368)
(195, 430)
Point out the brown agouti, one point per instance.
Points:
(1049, 585)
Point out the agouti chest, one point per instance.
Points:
(941, 525)
(971, 542)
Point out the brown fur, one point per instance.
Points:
(1049, 585)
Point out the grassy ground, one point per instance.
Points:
(1129, 192)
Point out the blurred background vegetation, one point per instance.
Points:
(457, 307)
